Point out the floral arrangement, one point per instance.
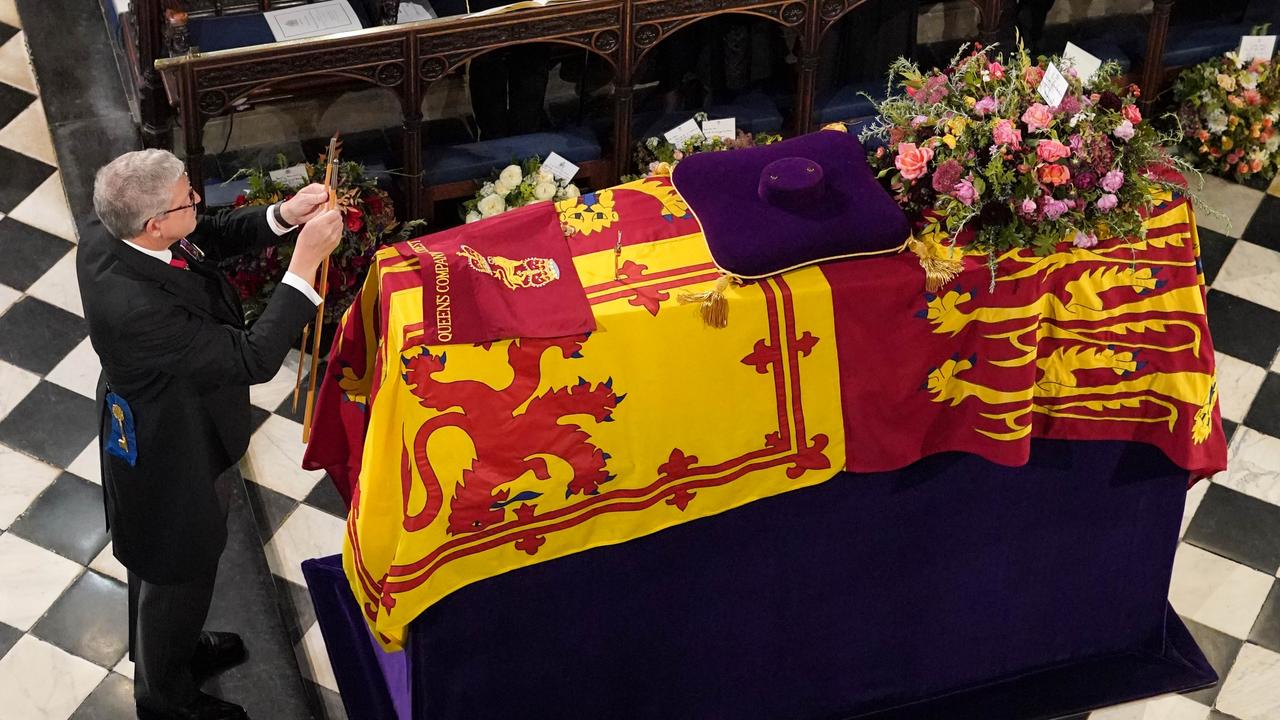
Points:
(658, 156)
(515, 186)
(1228, 111)
(370, 220)
(975, 147)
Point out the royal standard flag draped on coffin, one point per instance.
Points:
(479, 459)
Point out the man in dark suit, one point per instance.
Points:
(177, 362)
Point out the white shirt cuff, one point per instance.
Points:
(303, 287)
(276, 227)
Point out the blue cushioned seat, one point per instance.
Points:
(212, 33)
(451, 163)
(1194, 43)
(848, 102)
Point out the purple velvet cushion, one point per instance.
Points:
(768, 209)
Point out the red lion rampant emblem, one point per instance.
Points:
(513, 431)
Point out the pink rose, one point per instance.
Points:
(1050, 150)
(986, 106)
(1108, 202)
(1132, 114)
(1033, 75)
(965, 192)
(1006, 134)
(912, 161)
(1037, 117)
(1054, 175)
(1112, 181)
(1084, 240)
(1124, 131)
(1054, 209)
(1028, 207)
(1253, 97)
(996, 70)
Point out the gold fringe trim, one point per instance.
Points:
(941, 263)
(714, 305)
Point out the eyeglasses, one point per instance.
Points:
(191, 197)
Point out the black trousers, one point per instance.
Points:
(509, 90)
(165, 622)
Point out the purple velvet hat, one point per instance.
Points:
(765, 210)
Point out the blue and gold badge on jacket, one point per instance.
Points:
(122, 441)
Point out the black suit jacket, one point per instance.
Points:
(173, 344)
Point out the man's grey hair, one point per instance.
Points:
(134, 188)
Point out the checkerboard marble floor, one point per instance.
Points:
(62, 598)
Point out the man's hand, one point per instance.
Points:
(316, 241)
(305, 205)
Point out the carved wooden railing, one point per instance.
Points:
(406, 59)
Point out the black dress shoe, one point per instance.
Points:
(215, 652)
(204, 707)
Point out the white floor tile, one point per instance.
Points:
(15, 383)
(1194, 496)
(41, 682)
(1252, 689)
(1234, 200)
(124, 667)
(1165, 707)
(9, 13)
(313, 658)
(270, 394)
(31, 579)
(88, 464)
(307, 533)
(1275, 366)
(28, 133)
(15, 66)
(22, 479)
(1253, 273)
(79, 370)
(1238, 383)
(1253, 465)
(275, 458)
(59, 286)
(1217, 592)
(47, 209)
(107, 564)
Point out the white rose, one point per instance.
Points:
(571, 191)
(544, 175)
(487, 189)
(492, 205)
(544, 190)
(511, 176)
(1273, 143)
(503, 189)
(473, 216)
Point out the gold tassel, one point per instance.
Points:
(714, 305)
(941, 263)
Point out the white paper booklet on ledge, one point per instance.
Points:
(314, 20)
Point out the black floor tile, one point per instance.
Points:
(8, 636)
(36, 336)
(67, 518)
(22, 175)
(12, 100)
(324, 496)
(90, 620)
(297, 610)
(1244, 329)
(257, 416)
(111, 700)
(1229, 429)
(270, 508)
(6, 32)
(1239, 527)
(1214, 248)
(326, 703)
(91, 144)
(286, 407)
(1220, 649)
(51, 423)
(73, 60)
(1266, 629)
(27, 253)
(1264, 227)
(1264, 414)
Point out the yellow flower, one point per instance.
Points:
(957, 124)
(1233, 121)
(662, 169)
(949, 140)
(970, 101)
(1227, 143)
(1226, 82)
